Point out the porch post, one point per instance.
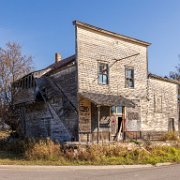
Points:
(110, 124)
(99, 117)
(123, 120)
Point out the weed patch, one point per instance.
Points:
(47, 152)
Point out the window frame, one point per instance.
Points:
(115, 112)
(100, 73)
(127, 79)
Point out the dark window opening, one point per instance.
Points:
(103, 73)
(129, 75)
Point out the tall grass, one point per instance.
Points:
(170, 136)
(45, 150)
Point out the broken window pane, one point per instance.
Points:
(104, 79)
(103, 73)
(129, 77)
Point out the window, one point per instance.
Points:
(103, 73)
(113, 109)
(129, 74)
(116, 109)
(119, 109)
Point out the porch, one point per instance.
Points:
(102, 117)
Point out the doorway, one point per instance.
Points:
(117, 113)
(120, 128)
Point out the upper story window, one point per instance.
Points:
(129, 73)
(103, 73)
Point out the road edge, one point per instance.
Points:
(90, 167)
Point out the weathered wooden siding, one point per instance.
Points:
(84, 115)
(35, 120)
(88, 122)
(53, 114)
(133, 117)
(24, 96)
(85, 119)
(163, 104)
(94, 47)
(104, 124)
(67, 80)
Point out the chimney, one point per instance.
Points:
(57, 57)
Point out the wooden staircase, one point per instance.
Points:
(58, 130)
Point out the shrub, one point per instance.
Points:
(85, 156)
(4, 135)
(3, 144)
(90, 153)
(16, 145)
(69, 154)
(170, 136)
(43, 150)
(97, 152)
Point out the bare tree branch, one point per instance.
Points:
(13, 65)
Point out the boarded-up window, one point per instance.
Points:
(84, 116)
(171, 126)
(133, 117)
(157, 103)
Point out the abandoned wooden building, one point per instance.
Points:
(103, 93)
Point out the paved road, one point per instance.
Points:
(171, 172)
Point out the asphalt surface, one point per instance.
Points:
(171, 172)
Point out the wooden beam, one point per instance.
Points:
(99, 118)
(123, 123)
(127, 57)
(110, 124)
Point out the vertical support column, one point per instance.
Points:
(123, 121)
(110, 124)
(99, 117)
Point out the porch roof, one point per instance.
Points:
(107, 100)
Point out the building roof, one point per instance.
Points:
(52, 67)
(110, 33)
(107, 100)
(61, 63)
(163, 78)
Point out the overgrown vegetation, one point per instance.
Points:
(47, 152)
(172, 136)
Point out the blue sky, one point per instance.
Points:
(44, 27)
